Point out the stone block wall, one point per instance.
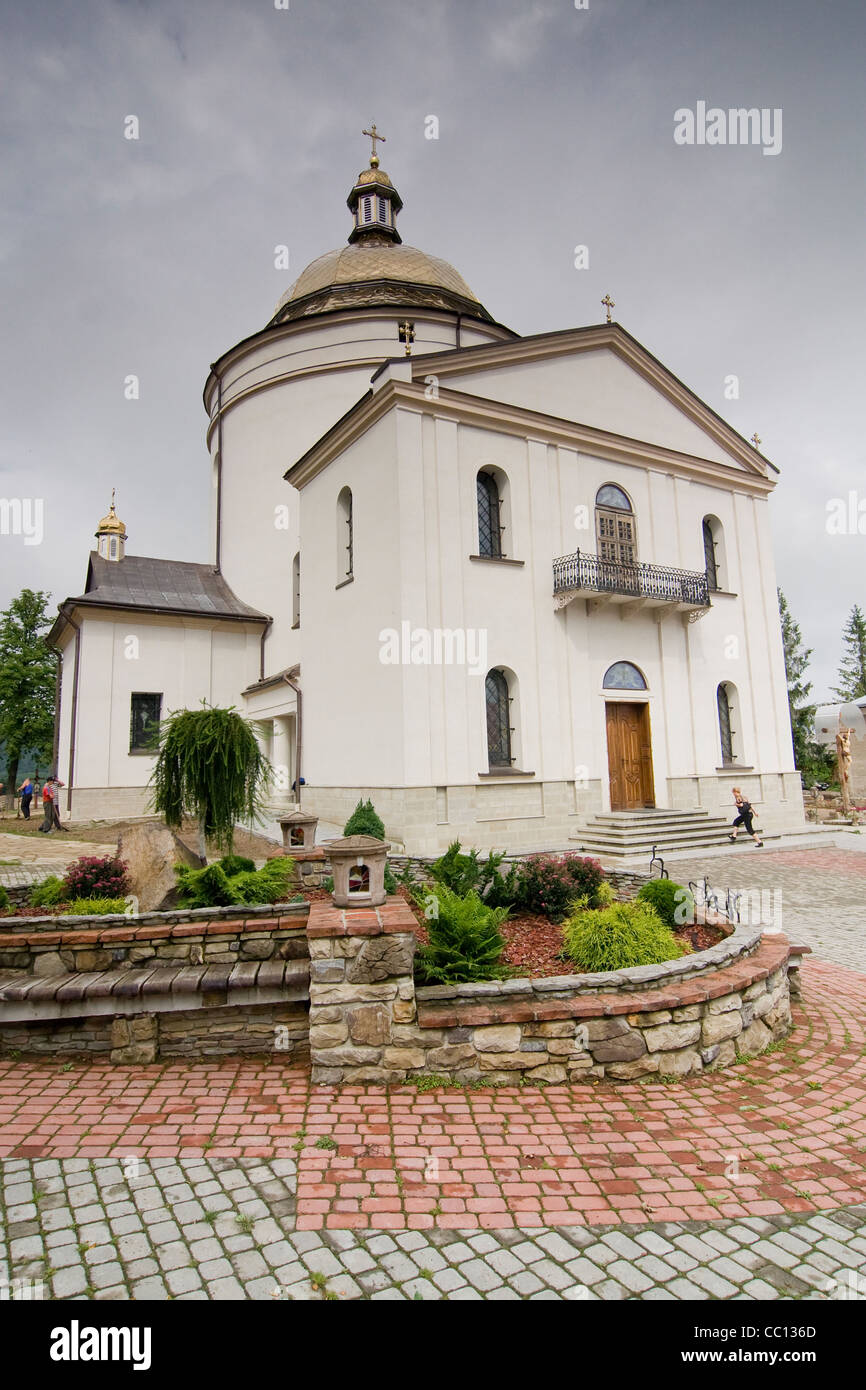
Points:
(369, 1023)
(362, 994)
(281, 1030)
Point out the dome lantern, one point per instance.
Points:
(374, 203)
(111, 535)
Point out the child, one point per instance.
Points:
(744, 817)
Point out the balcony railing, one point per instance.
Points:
(657, 584)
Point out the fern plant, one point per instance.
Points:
(465, 943)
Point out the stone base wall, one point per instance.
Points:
(528, 817)
(279, 1029)
(369, 1023)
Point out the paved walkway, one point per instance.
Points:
(221, 1229)
(785, 1132)
(822, 893)
(29, 858)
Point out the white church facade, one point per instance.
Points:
(497, 584)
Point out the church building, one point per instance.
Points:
(518, 590)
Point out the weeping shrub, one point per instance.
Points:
(619, 936)
(673, 903)
(465, 943)
(209, 766)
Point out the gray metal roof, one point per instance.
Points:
(172, 586)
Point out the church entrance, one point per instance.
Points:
(629, 756)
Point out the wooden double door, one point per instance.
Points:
(629, 756)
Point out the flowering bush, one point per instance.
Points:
(90, 877)
(551, 883)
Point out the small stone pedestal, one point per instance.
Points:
(362, 993)
(299, 831)
(358, 866)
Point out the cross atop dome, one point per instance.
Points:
(111, 535)
(374, 136)
(374, 202)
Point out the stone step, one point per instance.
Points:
(658, 837)
(650, 817)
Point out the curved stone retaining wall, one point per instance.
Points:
(368, 1022)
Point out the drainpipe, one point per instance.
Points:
(74, 714)
(297, 690)
(219, 480)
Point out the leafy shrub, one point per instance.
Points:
(604, 895)
(220, 886)
(95, 907)
(4, 898)
(364, 821)
(390, 880)
(465, 873)
(465, 943)
(90, 877)
(48, 893)
(673, 903)
(619, 936)
(550, 883)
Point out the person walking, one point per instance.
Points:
(743, 817)
(26, 791)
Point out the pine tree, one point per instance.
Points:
(852, 668)
(797, 659)
(27, 683)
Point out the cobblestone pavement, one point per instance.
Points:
(823, 893)
(36, 856)
(783, 1132)
(222, 1229)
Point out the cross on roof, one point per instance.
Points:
(374, 136)
(609, 304)
(756, 439)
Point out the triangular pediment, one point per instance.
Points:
(599, 377)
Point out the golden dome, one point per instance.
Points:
(111, 525)
(366, 275)
(374, 175)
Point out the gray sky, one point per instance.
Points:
(556, 129)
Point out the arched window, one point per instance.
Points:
(623, 676)
(498, 720)
(489, 516)
(726, 704)
(714, 553)
(345, 537)
(296, 590)
(615, 531)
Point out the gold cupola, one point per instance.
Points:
(111, 535)
(374, 203)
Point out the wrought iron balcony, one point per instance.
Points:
(586, 576)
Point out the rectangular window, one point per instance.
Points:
(145, 715)
(383, 210)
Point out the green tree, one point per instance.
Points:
(797, 659)
(852, 668)
(209, 766)
(28, 672)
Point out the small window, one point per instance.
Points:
(345, 537)
(112, 548)
(296, 590)
(726, 701)
(366, 209)
(144, 720)
(383, 210)
(498, 720)
(489, 517)
(623, 676)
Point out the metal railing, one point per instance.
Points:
(580, 571)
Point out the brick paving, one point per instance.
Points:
(784, 1132)
(223, 1229)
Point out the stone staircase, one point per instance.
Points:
(632, 834)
